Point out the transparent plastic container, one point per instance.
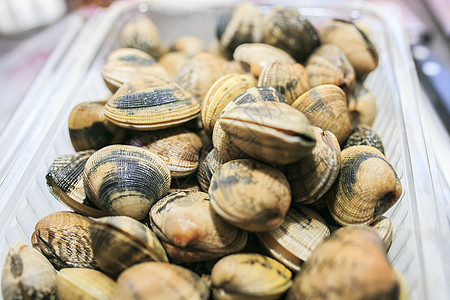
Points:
(418, 248)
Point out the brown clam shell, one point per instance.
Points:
(385, 229)
(173, 62)
(364, 135)
(188, 44)
(207, 167)
(362, 106)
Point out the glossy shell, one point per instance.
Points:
(364, 135)
(356, 45)
(187, 222)
(325, 106)
(286, 29)
(311, 176)
(65, 182)
(350, 264)
(273, 132)
(367, 186)
(80, 283)
(160, 281)
(362, 106)
(27, 274)
(64, 238)
(120, 242)
(126, 180)
(250, 195)
(207, 167)
(293, 242)
(89, 129)
(249, 276)
(178, 147)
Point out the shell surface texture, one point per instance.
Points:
(207, 167)
(383, 225)
(362, 106)
(364, 135)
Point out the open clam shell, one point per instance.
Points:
(149, 103)
(126, 180)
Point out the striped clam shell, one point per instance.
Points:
(124, 64)
(326, 107)
(293, 242)
(367, 186)
(178, 147)
(221, 141)
(186, 221)
(222, 92)
(64, 238)
(364, 135)
(207, 167)
(250, 194)
(126, 180)
(65, 182)
(291, 80)
(119, 242)
(149, 103)
(362, 106)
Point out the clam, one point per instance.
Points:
(311, 176)
(158, 280)
(27, 274)
(149, 103)
(329, 65)
(64, 238)
(243, 25)
(173, 62)
(364, 135)
(189, 183)
(222, 143)
(362, 106)
(141, 33)
(291, 80)
(126, 180)
(254, 57)
(120, 242)
(350, 264)
(177, 147)
(325, 106)
(249, 276)
(81, 283)
(356, 45)
(201, 71)
(193, 231)
(273, 132)
(367, 186)
(222, 92)
(293, 242)
(383, 226)
(287, 29)
(250, 195)
(207, 167)
(89, 129)
(65, 182)
(124, 64)
(187, 44)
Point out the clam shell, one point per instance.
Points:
(189, 183)
(293, 242)
(356, 45)
(64, 238)
(173, 62)
(124, 64)
(81, 283)
(249, 276)
(65, 182)
(286, 29)
(329, 65)
(362, 106)
(160, 281)
(221, 140)
(350, 264)
(367, 186)
(273, 132)
(151, 103)
(222, 92)
(383, 226)
(177, 147)
(207, 168)
(126, 180)
(364, 135)
(120, 242)
(187, 44)
(250, 195)
(255, 56)
(27, 274)
(325, 106)
(187, 222)
(311, 176)
(89, 129)
(291, 80)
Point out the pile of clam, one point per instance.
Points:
(249, 171)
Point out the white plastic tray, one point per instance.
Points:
(418, 243)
